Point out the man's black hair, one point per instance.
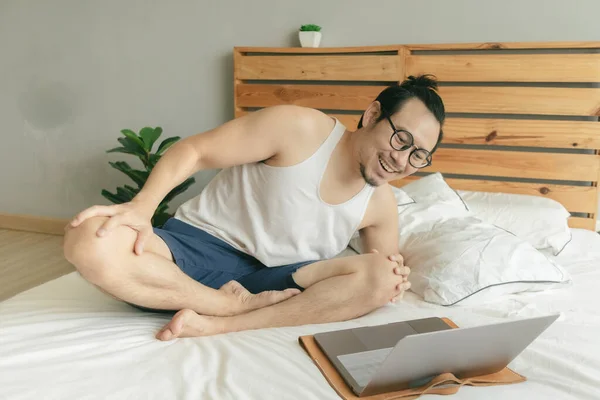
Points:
(424, 88)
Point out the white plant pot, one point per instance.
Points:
(310, 38)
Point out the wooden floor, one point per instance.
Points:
(29, 259)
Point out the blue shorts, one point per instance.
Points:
(213, 262)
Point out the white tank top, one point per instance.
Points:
(276, 214)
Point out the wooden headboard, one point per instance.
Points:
(521, 117)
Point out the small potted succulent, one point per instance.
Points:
(310, 35)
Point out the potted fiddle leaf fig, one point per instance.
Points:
(140, 145)
(310, 35)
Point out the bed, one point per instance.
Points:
(519, 113)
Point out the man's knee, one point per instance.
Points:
(89, 253)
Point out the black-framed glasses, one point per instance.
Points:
(402, 140)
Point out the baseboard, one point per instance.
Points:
(31, 223)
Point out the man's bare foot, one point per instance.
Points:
(246, 301)
(186, 323)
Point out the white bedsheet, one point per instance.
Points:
(66, 340)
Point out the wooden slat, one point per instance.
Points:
(507, 132)
(317, 96)
(581, 199)
(508, 68)
(403, 54)
(506, 45)
(597, 186)
(318, 50)
(314, 67)
(350, 121)
(582, 223)
(237, 57)
(502, 100)
(515, 132)
(516, 164)
(521, 100)
(425, 46)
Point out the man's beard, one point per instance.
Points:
(369, 181)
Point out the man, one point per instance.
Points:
(256, 247)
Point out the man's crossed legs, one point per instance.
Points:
(336, 290)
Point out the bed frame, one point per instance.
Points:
(522, 117)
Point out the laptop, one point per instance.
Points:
(401, 355)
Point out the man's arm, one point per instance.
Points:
(381, 235)
(255, 137)
(381, 232)
(258, 136)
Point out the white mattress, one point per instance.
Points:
(67, 340)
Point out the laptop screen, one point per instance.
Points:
(363, 365)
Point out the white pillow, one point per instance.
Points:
(432, 189)
(455, 257)
(540, 221)
(466, 261)
(441, 200)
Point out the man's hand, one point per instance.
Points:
(401, 269)
(135, 215)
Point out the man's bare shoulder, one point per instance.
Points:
(383, 196)
(382, 206)
(304, 131)
(302, 120)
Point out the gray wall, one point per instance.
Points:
(73, 73)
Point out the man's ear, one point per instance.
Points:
(371, 114)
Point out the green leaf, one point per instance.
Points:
(161, 208)
(120, 165)
(133, 147)
(159, 219)
(120, 150)
(153, 160)
(166, 144)
(149, 136)
(182, 187)
(111, 196)
(124, 195)
(133, 191)
(139, 177)
(310, 27)
(131, 135)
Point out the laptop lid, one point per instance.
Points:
(357, 352)
(465, 352)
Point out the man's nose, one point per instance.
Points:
(400, 159)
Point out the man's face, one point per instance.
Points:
(379, 162)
